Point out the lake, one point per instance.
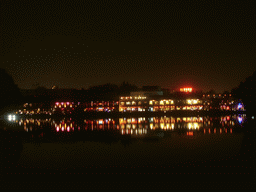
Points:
(152, 146)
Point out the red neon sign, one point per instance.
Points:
(186, 89)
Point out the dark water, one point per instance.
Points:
(196, 146)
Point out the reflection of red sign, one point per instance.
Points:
(190, 133)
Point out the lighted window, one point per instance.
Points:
(128, 103)
(150, 102)
(161, 102)
(133, 103)
(122, 103)
(139, 103)
(167, 102)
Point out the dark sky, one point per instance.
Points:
(77, 44)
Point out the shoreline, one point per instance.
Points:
(133, 114)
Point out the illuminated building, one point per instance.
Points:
(157, 103)
(100, 106)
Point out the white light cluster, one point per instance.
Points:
(11, 117)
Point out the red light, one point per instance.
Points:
(190, 133)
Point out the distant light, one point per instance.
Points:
(240, 119)
(186, 89)
(11, 117)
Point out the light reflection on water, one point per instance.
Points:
(126, 140)
(137, 126)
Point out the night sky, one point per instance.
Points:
(77, 44)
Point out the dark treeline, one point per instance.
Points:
(11, 96)
(246, 91)
(106, 92)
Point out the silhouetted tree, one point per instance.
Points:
(125, 88)
(10, 93)
(104, 92)
(247, 92)
(211, 92)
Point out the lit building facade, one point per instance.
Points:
(156, 103)
(65, 108)
(133, 103)
(100, 106)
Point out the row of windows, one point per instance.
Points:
(130, 97)
(162, 102)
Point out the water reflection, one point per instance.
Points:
(133, 140)
(137, 127)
